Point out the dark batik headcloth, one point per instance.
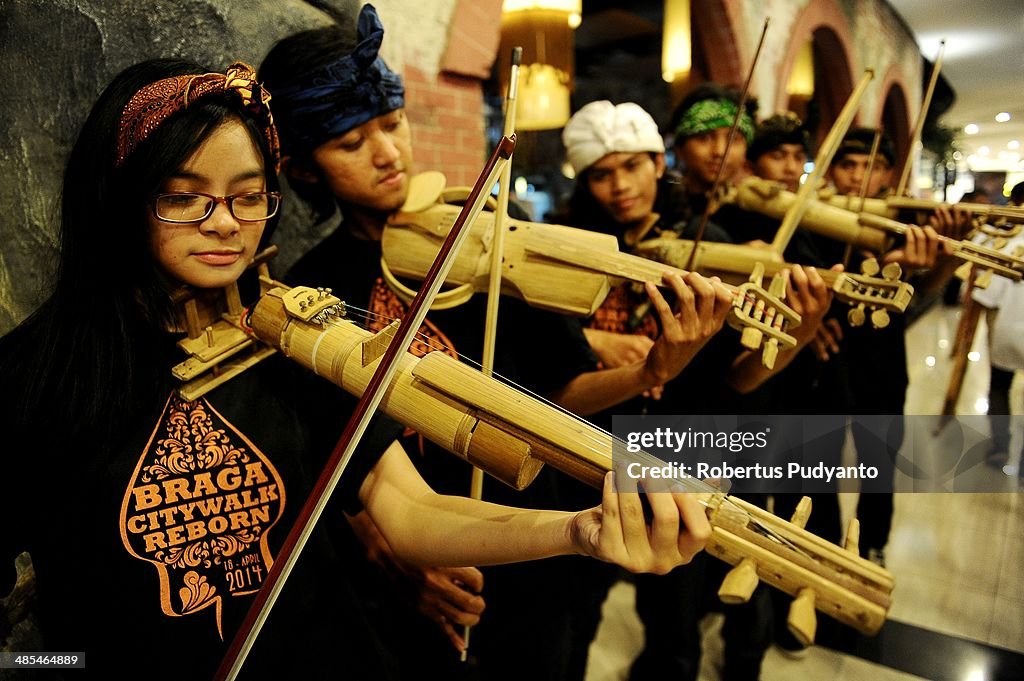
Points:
(332, 99)
(155, 103)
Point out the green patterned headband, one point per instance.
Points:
(712, 114)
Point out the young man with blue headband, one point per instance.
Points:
(347, 146)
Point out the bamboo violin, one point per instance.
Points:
(892, 206)
(863, 229)
(868, 295)
(511, 435)
(571, 270)
(573, 276)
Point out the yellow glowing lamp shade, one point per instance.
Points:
(573, 8)
(676, 42)
(543, 102)
(801, 78)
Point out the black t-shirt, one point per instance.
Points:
(149, 546)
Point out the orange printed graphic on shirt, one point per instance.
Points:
(619, 306)
(386, 306)
(199, 506)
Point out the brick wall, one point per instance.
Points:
(445, 108)
(447, 120)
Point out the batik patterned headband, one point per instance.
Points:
(331, 100)
(151, 106)
(712, 114)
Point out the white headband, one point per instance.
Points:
(602, 128)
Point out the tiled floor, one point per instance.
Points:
(957, 558)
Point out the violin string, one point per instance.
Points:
(597, 438)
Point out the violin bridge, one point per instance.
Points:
(375, 347)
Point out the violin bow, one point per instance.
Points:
(300, 532)
(901, 188)
(828, 149)
(713, 192)
(862, 194)
(476, 485)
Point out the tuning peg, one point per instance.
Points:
(802, 512)
(879, 319)
(757, 275)
(869, 267)
(751, 338)
(738, 586)
(856, 316)
(852, 543)
(984, 279)
(802, 621)
(892, 271)
(770, 354)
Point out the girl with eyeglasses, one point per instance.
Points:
(152, 520)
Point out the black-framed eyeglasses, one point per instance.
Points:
(183, 207)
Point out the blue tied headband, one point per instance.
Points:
(332, 99)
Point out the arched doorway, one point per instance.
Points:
(824, 26)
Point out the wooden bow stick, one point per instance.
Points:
(908, 164)
(476, 486)
(794, 214)
(293, 544)
(720, 175)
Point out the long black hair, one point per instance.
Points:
(88, 352)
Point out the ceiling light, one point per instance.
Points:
(1002, 117)
(676, 42)
(984, 151)
(971, 129)
(1013, 144)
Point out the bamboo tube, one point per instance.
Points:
(450, 402)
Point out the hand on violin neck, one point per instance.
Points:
(809, 295)
(617, 531)
(920, 249)
(701, 308)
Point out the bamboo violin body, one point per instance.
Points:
(892, 206)
(511, 435)
(571, 270)
(865, 229)
(868, 295)
(563, 269)
(772, 199)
